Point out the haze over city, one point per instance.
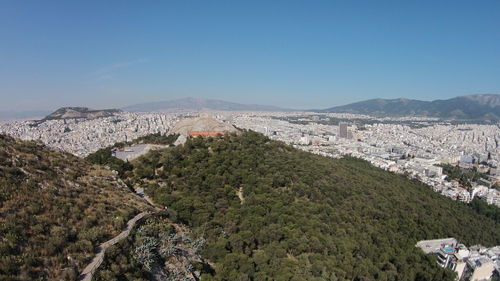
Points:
(294, 54)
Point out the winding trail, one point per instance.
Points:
(89, 271)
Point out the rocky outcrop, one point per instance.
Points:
(201, 124)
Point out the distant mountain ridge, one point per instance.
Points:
(80, 112)
(481, 107)
(471, 107)
(200, 104)
(13, 115)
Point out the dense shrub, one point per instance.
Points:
(55, 209)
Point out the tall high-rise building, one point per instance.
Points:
(343, 130)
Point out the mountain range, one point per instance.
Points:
(200, 104)
(471, 107)
(480, 107)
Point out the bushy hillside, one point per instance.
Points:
(157, 250)
(55, 208)
(271, 212)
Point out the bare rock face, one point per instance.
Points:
(201, 124)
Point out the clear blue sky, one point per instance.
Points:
(303, 54)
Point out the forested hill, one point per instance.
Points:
(55, 208)
(272, 212)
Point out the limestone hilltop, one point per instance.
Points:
(80, 112)
(201, 124)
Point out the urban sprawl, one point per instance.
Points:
(416, 147)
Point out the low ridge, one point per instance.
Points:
(80, 112)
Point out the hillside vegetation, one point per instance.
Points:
(157, 250)
(271, 212)
(55, 208)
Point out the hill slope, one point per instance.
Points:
(271, 212)
(80, 112)
(54, 209)
(473, 107)
(199, 104)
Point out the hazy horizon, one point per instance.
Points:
(298, 54)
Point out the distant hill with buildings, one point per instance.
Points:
(200, 104)
(471, 107)
(80, 112)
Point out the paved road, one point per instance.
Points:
(89, 271)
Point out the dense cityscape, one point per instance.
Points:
(412, 146)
